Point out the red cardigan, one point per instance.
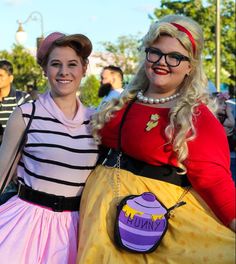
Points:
(208, 162)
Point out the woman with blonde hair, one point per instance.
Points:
(166, 143)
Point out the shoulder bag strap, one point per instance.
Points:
(22, 143)
(122, 123)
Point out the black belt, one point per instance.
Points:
(165, 173)
(55, 202)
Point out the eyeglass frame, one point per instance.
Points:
(182, 57)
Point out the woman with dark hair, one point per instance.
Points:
(39, 224)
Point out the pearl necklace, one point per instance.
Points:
(149, 100)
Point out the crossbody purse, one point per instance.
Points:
(141, 220)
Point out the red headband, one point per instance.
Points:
(183, 29)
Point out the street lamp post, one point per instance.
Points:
(218, 62)
(21, 35)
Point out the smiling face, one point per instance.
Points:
(64, 71)
(164, 79)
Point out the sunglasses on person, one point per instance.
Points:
(172, 59)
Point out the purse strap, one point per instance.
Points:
(20, 147)
(122, 123)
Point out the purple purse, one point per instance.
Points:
(141, 222)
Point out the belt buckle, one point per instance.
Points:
(58, 204)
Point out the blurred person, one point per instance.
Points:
(39, 224)
(211, 87)
(9, 96)
(164, 140)
(111, 84)
(226, 118)
(33, 91)
(232, 100)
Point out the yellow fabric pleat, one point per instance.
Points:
(194, 234)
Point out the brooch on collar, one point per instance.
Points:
(153, 122)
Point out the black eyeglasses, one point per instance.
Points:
(172, 59)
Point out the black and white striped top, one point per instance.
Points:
(9, 103)
(59, 153)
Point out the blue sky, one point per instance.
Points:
(100, 20)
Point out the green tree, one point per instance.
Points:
(26, 69)
(204, 12)
(89, 91)
(124, 53)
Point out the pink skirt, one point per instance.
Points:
(31, 234)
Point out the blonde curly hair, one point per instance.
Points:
(193, 90)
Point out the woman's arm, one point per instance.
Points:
(208, 167)
(11, 140)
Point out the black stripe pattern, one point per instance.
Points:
(8, 104)
(56, 159)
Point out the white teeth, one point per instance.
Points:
(160, 70)
(64, 81)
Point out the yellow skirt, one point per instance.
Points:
(194, 234)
